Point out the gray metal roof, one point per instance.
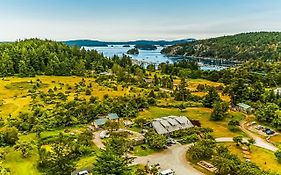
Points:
(112, 116)
(100, 122)
(173, 122)
(165, 123)
(159, 128)
(169, 124)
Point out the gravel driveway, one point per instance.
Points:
(173, 157)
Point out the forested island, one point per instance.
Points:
(56, 99)
(242, 47)
(92, 43)
(145, 47)
(133, 51)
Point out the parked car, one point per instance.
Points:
(85, 172)
(259, 127)
(171, 141)
(104, 134)
(269, 132)
(167, 172)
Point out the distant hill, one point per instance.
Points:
(245, 46)
(138, 42)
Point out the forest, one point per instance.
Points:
(240, 47)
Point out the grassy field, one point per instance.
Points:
(276, 140)
(201, 114)
(193, 83)
(14, 90)
(19, 165)
(263, 158)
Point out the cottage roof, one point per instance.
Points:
(169, 124)
(100, 122)
(112, 116)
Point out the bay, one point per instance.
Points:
(155, 57)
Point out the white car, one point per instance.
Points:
(167, 172)
(85, 172)
(104, 134)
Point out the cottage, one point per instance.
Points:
(244, 108)
(112, 116)
(99, 122)
(167, 125)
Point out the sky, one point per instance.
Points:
(122, 20)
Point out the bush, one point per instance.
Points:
(278, 155)
(233, 128)
(88, 92)
(189, 139)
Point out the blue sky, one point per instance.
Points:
(113, 20)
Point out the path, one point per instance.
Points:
(174, 157)
(97, 140)
(259, 141)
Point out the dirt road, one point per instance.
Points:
(173, 157)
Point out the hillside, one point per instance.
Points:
(92, 43)
(245, 46)
(43, 57)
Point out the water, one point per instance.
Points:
(155, 57)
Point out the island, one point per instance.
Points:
(133, 51)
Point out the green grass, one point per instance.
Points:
(276, 140)
(86, 161)
(138, 151)
(265, 159)
(24, 85)
(19, 165)
(239, 116)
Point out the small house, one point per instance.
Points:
(112, 116)
(244, 108)
(98, 123)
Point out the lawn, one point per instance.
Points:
(193, 83)
(201, 114)
(139, 151)
(276, 139)
(263, 158)
(19, 165)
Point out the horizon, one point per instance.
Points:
(126, 20)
